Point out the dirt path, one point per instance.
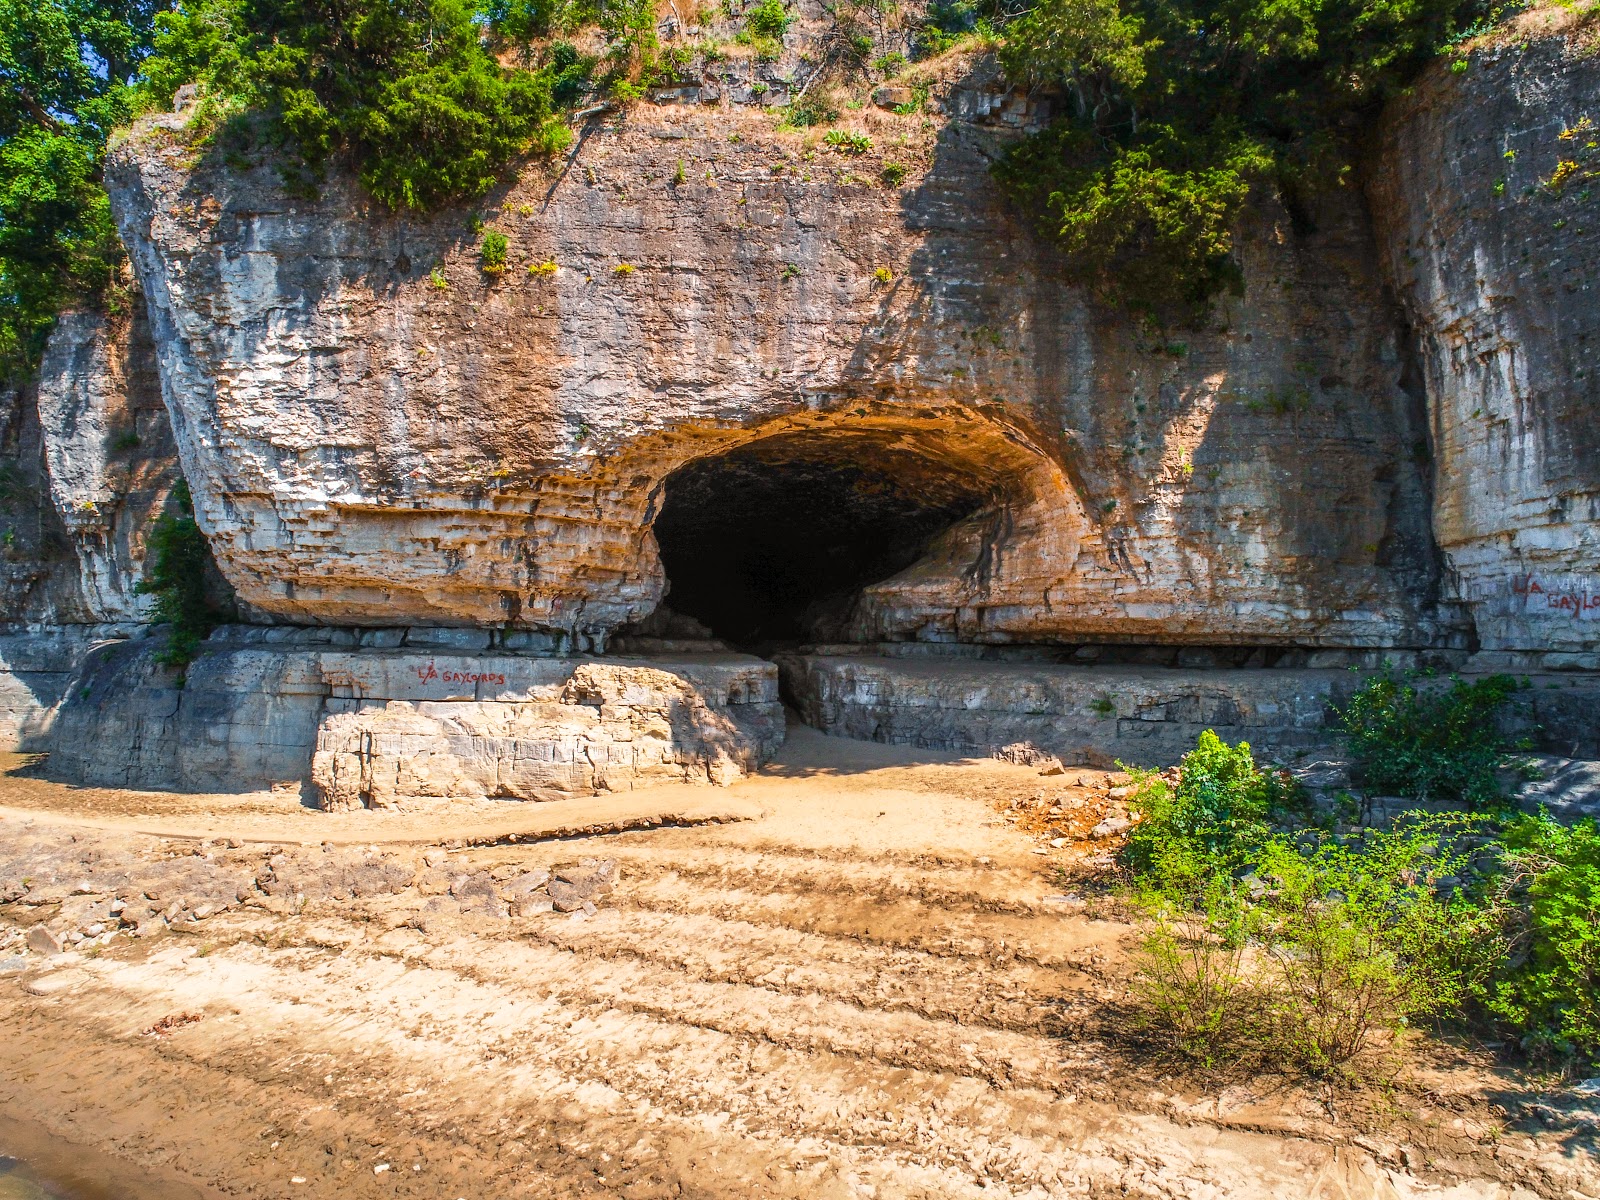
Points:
(870, 989)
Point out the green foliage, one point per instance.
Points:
(408, 87)
(177, 559)
(817, 107)
(1180, 109)
(948, 21)
(1430, 743)
(1266, 945)
(570, 73)
(65, 66)
(1552, 995)
(1297, 949)
(894, 174)
(768, 19)
(1209, 823)
(848, 141)
(492, 253)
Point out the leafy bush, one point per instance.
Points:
(492, 253)
(177, 560)
(66, 65)
(1297, 949)
(1177, 112)
(570, 73)
(1430, 743)
(1209, 823)
(1550, 993)
(409, 87)
(948, 21)
(768, 19)
(1198, 990)
(817, 107)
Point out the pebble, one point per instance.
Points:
(1057, 843)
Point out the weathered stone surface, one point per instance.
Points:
(1096, 715)
(390, 727)
(610, 728)
(1498, 274)
(36, 668)
(365, 446)
(108, 449)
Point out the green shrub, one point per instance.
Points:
(1198, 990)
(570, 72)
(1208, 824)
(492, 253)
(816, 107)
(411, 89)
(768, 19)
(1430, 743)
(1306, 952)
(894, 174)
(67, 67)
(1175, 113)
(177, 560)
(1551, 995)
(1298, 949)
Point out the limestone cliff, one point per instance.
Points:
(1495, 248)
(378, 432)
(87, 463)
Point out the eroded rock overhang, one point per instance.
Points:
(368, 447)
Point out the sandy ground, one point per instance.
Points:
(849, 976)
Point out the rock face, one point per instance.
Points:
(376, 726)
(608, 727)
(1495, 251)
(108, 450)
(376, 431)
(1095, 716)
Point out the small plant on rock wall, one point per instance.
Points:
(894, 174)
(176, 561)
(492, 253)
(847, 141)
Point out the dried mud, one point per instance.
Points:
(874, 986)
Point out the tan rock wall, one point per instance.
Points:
(366, 446)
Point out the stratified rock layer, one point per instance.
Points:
(1498, 268)
(377, 432)
(379, 727)
(1146, 716)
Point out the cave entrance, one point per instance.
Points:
(772, 542)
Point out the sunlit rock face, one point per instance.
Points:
(378, 432)
(1498, 269)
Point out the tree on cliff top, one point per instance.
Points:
(407, 87)
(67, 67)
(1178, 109)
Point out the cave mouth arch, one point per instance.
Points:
(772, 542)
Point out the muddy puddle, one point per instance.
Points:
(37, 1166)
